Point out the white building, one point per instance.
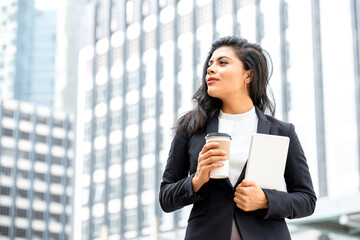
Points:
(36, 172)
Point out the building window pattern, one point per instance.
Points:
(150, 40)
(185, 23)
(132, 114)
(132, 81)
(167, 31)
(225, 7)
(117, 86)
(204, 14)
(100, 159)
(100, 126)
(101, 93)
(116, 120)
(130, 219)
(131, 183)
(134, 50)
(131, 148)
(149, 108)
(117, 54)
(148, 143)
(115, 154)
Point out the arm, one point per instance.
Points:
(176, 190)
(299, 200)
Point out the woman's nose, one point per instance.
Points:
(210, 69)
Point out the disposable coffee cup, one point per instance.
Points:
(224, 140)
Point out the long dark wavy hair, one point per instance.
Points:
(254, 58)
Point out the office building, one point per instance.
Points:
(139, 66)
(27, 52)
(36, 172)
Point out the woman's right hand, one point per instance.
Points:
(207, 161)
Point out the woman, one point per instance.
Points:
(233, 99)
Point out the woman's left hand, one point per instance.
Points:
(250, 197)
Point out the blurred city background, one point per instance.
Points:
(90, 90)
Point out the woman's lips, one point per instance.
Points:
(211, 80)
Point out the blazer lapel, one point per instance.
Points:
(263, 127)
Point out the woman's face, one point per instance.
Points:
(226, 75)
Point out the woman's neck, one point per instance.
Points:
(239, 106)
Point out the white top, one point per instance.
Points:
(240, 127)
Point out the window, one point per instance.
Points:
(114, 223)
(149, 108)
(38, 215)
(4, 210)
(21, 212)
(100, 158)
(58, 123)
(117, 54)
(57, 141)
(148, 179)
(8, 152)
(224, 7)
(204, 14)
(38, 234)
(39, 157)
(39, 196)
(102, 61)
(99, 193)
(150, 40)
(116, 90)
(87, 163)
(130, 219)
(145, 216)
(22, 193)
(5, 171)
(7, 132)
(20, 232)
(87, 131)
(54, 236)
(56, 160)
(55, 198)
(5, 191)
(40, 176)
(8, 113)
(24, 135)
(148, 142)
(40, 138)
(4, 231)
(133, 48)
(132, 80)
(25, 116)
(84, 229)
(116, 119)
(100, 126)
(114, 188)
(42, 120)
(101, 93)
(55, 179)
(131, 183)
(22, 174)
(115, 154)
(131, 148)
(185, 23)
(167, 31)
(98, 222)
(23, 154)
(55, 217)
(132, 114)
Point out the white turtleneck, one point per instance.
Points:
(240, 127)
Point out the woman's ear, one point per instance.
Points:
(250, 75)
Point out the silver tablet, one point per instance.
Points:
(267, 160)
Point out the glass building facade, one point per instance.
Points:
(27, 52)
(36, 172)
(139, 66)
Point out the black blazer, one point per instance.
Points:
(213, 205)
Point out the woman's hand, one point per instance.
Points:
(206, 162)
(250, 197)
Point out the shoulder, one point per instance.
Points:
(279, 127)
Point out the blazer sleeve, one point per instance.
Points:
(299, 200)
(176, 190)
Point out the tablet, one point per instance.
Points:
(267, 160)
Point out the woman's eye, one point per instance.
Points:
(223, 62)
